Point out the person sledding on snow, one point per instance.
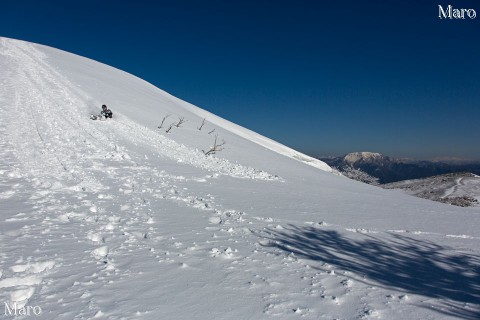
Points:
(107, 113)
(104, 114)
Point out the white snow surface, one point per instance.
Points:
(117, 219)
(354, 157)
(445, 188)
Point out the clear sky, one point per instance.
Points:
(324, 77)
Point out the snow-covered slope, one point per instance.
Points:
(461, 189)
(117, 219)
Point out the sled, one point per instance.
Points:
(99, 117)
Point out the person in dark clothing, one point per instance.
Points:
(107, 113)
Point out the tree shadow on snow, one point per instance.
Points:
(402, 263)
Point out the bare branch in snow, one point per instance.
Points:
(180, 121)
(163, 120)
(216, 147)
(201, 126)
(212, 131)
(169, 128)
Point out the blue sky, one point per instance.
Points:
(324, 77)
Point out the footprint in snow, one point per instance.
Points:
(215, 220)
(109, 227)
(24, 284)
(34, 268)
(134, 235)
(100, 253)
(96, 237)
(226, 254)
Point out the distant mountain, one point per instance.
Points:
(375, 168)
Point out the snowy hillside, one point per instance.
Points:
(461, 189)
(118, 219)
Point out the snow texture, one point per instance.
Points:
(118, 219)
(461, 189)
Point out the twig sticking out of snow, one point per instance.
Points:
(201, 126)
(216, 147)
(163, 120)
(180, 121)
(169, 128)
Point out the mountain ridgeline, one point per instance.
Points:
(375, 168)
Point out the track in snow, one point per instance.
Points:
(73, 162)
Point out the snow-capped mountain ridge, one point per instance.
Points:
(365, 157)
(385, 169)
(119, 219)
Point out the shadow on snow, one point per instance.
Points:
(403, 263)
